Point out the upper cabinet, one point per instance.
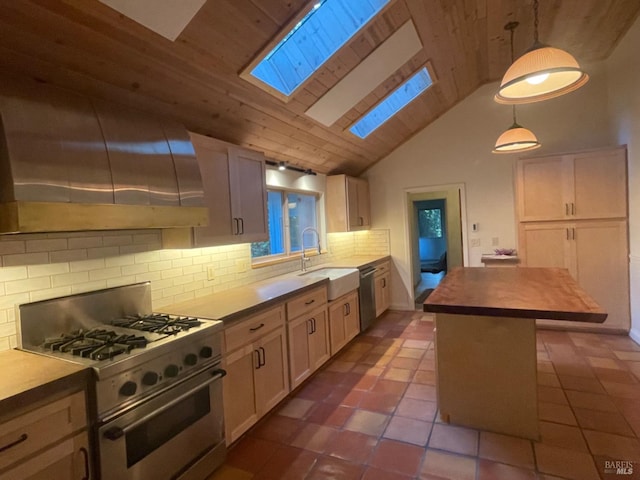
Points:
(577, 186)
(235, 193)
(347, 204)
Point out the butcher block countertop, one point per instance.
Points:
(549, 293)
(28, 378)
(229, 305)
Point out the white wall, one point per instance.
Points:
(456, 148)
(623, 74)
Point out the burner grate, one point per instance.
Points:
(158, 323)
(96, 344)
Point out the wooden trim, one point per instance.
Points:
(28, 217)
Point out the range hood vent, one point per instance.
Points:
(72, 163)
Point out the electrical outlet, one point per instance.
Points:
(495, 241)
(475, 242)
(242, 265)
(211, 273)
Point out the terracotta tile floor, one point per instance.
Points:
(371, 414)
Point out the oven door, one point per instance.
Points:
(178, 431)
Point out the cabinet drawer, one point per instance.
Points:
(41, 427)
(306, 302)
(382, 268)
(246, 331)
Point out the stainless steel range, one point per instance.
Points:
(157, 397)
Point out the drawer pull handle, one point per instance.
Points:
(310, 301)
(85, 457)
(255, 329)
(22, 438)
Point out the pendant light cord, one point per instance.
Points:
(535, 23)
(511, 26)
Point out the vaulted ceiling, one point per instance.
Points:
(86, 46)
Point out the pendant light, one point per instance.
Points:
(543, 72)
(516, 138)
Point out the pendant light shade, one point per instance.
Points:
(542, 73)
(516, 139)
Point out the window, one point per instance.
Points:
(392, 104)
(289, 213)
(313, 40)
(430, 222)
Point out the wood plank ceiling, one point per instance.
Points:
(88, 47)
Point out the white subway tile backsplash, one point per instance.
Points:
(69, 279)
(84, 261)
(7, 329)
(47, 270)
(46, 245)
(28, 285)
(38, 295)
(104, 273)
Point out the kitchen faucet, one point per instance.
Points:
(305, 259)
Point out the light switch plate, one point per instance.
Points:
(211, 273)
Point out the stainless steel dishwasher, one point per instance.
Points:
(367, 293)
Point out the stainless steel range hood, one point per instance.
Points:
(70, 163)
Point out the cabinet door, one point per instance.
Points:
(319, 348)
(352, 319)
(353, 205)
(299, 331)
(542, 188)
(239, 395)
(364, 210)
(602, 267)
(383, 296)
(337, 333)
(272, 374)
(67, 460)
(600, 184)
(248, 194)
(547, 245)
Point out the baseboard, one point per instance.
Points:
(634, 333)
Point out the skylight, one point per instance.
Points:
(392, 104)
(313, 40)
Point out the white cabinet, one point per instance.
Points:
(235, 192)
(257, 370)
(347, 202)
(308, 334)
(344, 320)
(587, 185)
(594, 252)
(48, 442)
(381, 282)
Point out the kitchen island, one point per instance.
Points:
(486, 341)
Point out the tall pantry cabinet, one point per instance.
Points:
(572, 213)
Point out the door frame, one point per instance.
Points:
(412, 195)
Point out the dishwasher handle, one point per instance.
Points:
(368, 271)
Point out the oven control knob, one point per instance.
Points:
(171, 371)
(128, 389)
(191, 359)
(150, 378)
(206, 352)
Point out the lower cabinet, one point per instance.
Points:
(49, 442)
(382, 288)
(308, 344)
(344, 320)
(257, 373)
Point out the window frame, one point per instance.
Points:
(245, 73)
(288, 254)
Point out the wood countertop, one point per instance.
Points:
(28, 378)
(514, 292)
(228, 305)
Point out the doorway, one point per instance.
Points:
(435, 220)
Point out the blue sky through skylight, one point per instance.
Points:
(313, 40)
(391, 105)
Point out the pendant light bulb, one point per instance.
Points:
(542, 73)
(516, 138)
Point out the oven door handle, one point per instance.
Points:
(115, 433)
